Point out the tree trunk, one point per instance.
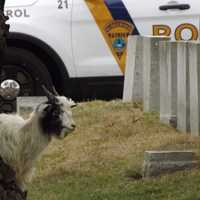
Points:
(4, 29)
(8, 187)
(2, 3)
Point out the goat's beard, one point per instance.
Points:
(64, 133)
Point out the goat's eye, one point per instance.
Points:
(56, 113)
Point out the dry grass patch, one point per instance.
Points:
(108, 135)
(102, 159)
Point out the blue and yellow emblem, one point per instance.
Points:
(116, 25)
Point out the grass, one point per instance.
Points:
(102, 159)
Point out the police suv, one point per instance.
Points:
(80, 45)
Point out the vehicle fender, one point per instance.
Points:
(48, 55)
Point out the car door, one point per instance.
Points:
(100, 29)
(176, 18)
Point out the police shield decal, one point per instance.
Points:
(115, 23)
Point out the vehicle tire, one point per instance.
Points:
(28, 70)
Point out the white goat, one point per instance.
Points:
(22, 141)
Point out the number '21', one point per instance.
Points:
(62, 4)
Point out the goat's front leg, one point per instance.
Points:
(25, 178)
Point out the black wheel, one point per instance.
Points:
(26, 69)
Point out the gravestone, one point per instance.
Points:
(194, 82)
(168, 82)
(183, 88)
(164, 162)
(133, 81)
(151, 73)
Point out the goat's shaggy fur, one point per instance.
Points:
(22, 141)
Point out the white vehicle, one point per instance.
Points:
(80, 45)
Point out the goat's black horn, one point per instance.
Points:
(55, 92)
(49, 95)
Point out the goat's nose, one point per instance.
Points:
(73, 126)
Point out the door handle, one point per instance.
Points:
(174, 6)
